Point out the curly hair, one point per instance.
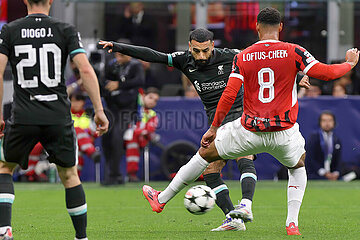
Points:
(269, 16)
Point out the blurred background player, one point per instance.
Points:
(123, 77)
(41, 109)
(85, 129)
(140, 133)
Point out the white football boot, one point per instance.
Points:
(231, 224)
(242, 212)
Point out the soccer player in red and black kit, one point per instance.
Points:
(267, 70)
(37, 48)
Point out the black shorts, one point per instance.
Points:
(59, 141)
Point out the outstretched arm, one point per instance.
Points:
(143, 53)
(329, 72)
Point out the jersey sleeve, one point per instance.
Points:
(74, 43)
(303, 59)
(309, 65)
(5, 40)
(229, 95)
(177, 59)
(235, 51)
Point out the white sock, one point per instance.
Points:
(246, 203)
(296, 190)
(3, 229)
(187, 174)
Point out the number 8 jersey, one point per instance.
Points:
(268, 71)
(37, 47)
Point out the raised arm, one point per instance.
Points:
(333, 71)
(310, 66)
(143, 53)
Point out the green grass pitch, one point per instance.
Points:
(330, 210)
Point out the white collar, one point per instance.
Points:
(268, 41)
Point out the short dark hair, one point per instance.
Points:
(36, 2)
(327, 112)
(269, 16)
(201, 35)
(152, 90)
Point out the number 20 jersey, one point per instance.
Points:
(268, 71)
(37, 47)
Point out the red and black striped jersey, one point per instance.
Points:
(268, 71)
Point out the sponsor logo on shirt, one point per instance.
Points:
(209, 86)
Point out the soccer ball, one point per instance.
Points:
(199, 199)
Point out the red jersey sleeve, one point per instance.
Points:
(228, 97)
(310, 66)
(303, 59)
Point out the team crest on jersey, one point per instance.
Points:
(220, 69)
(197, 85)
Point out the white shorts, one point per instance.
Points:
(233, 140)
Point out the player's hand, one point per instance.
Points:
(112, 85)
(2, 127)
(102, 123)
(106, 44)
(208, 137)
(352, 56)
(304, 82)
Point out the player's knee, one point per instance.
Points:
(215, 167)
(301, 162)
(246, 165)
(209, 154)
(7, 168)
(69, 176)
(250, 157)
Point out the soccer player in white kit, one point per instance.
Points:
(268, 71)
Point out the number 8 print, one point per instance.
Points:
(266, 85)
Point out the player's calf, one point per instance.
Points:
(248, 182)
(6, 200)
(77, 209)
(213, 180)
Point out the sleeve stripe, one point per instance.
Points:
(237, 75)
(170, 60)
(79, 50)
(310, 66)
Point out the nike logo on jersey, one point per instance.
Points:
(192, 70)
